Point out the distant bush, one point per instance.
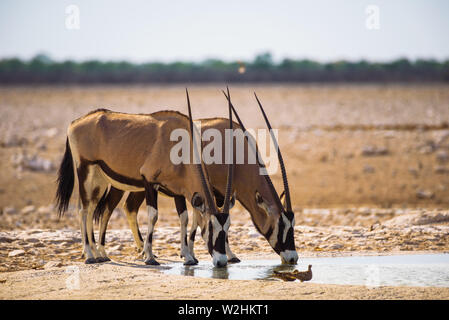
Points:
(41, 69)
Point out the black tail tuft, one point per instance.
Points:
(101, 206)
(66, 181)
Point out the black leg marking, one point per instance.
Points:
(192, 235)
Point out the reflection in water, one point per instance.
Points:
(188, 271)
(220, 273)
(401, 270)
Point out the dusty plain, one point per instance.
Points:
(368, 169)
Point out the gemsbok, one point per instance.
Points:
(131, 152)
(255, 192)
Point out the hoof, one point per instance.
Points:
(103, 259)
(234, 260)
(196, 260)
(90, 261)
(191, 262)
(152, 262)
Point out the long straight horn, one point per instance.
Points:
(256, 152)
(199, 168)
(231, 165)
(281, 161)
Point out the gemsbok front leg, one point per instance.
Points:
(151, 200)
(192, 234)
(181, 208)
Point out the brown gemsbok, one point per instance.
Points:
(254, 191)
(131, 152)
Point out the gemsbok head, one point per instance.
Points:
(273, 219)
(215, 221)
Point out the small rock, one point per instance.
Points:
(52, 264)
(336, 246)
(13, 141)
(442, 156)
(28, 209)
(413, 171)
(16, 253)
(253, 234)
(368, 169)
(50, 133)
(441, 170)
(371, 151)
(424, 194)
(9, 210)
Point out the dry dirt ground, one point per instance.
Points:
(368, 168)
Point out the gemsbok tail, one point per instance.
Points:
(66, 181)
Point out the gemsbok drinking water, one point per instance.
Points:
(131, 152)
(254, 191)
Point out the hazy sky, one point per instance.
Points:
(194, 30)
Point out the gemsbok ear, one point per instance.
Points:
(261, 203)
(198, 203)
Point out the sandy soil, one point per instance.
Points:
(368, 169)
(135, 281)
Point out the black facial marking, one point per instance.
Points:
(219, 198)
(278, 247)
(222, 218)
(289, 241)
(289, 215)
(219, 245)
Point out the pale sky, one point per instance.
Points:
(142, 30)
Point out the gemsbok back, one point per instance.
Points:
(131, 152)
(274, 220)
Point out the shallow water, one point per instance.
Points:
(400, 270)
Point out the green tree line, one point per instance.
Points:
(41, 69)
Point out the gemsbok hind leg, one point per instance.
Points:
(151, 200)
(91, 186)
(105, 207)
(181, 208)
(131, 207)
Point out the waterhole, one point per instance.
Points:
(396, 270)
